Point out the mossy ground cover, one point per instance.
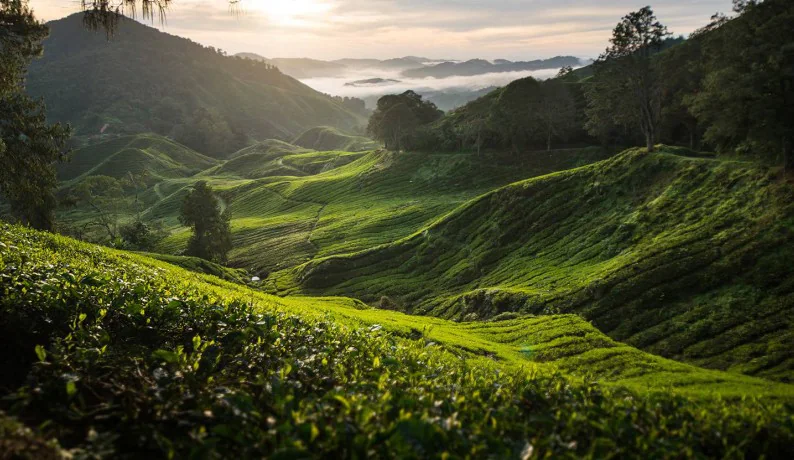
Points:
(680, 256)
(121, 355)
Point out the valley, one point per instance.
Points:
(221, 255)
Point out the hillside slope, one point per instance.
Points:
(327, 204)
(158, 156)
(112, 353)
(270, 146)
(328, 138)
(143, 80)
(683, 257)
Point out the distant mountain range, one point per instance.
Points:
(314, 68)
(410, 66)
(481, 66)
(144, 80)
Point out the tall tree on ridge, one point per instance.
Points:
(398, 116)
(625, 83)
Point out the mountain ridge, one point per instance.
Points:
(143, 80)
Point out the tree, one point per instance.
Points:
(104, 195)
(105, 14)
(141, 236)
(513, 117)
(555, 110)
(747, 97)
(681, 72)
(397, 118)
(202, 211)
(137, 183)
(474, 129)
(29, 146)
(625, 85)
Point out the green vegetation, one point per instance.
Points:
(524, 116)
(328, 138)
(729, 88)
(29, 145)
(270, 147)
(680, 256)
(195, 264)
(291, 204)
(159, 157)
(626, 87)
(398, 118)
(144, 80)
(517, 301)
(206, 216)
(163, 362)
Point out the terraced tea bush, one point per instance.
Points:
(120, 355)
(679, 256)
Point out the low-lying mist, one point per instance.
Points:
(339, 86)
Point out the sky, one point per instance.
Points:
(437, 29)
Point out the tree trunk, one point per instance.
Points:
(649, 141)
(548, 141)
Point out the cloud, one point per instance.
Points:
(337, 85)
(457, 29)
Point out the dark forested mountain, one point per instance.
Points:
(403, 63)
(300, 67)
(314, 68)
(143, 80)
(481, 66)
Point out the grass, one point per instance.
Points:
(118, 354)
(682, 257)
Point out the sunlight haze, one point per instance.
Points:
(449, 29)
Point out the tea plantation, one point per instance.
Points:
(108, 353)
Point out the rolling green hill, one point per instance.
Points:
(278, 163)
(270, 146)
(113, 352)
(279, 222)
(328, 138)
(159, 156)
(143, 80)
(290, 204)
(682, 257)
(679, 255)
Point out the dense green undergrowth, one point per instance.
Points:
(684, 257)
(115, 354)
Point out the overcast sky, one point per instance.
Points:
(450, 29)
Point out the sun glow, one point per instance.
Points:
(288, 12)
